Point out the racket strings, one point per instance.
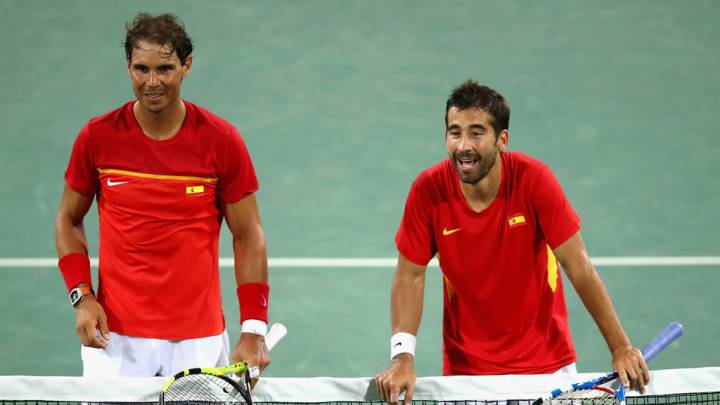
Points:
(204, 389)
(598, 395)
(585, 401)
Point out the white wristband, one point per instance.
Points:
(402, 342)
(254, 326)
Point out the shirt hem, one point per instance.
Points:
(239, 196)
(171, 336)
(414, 259)
(79, 189)
(545, 369)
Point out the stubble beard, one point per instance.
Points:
(484, 165)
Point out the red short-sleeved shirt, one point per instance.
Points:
(160, 209)
(504, 309)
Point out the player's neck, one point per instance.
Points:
(481, 194)
(161, 125)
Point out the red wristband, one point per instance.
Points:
(253, 299)
(75, 269)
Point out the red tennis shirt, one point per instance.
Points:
(160, 208)
(504, 309)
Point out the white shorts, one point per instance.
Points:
(569, 369)
(128, 356)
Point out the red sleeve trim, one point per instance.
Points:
(420, 261)
(237, 196)
(76, 187)
(563, 237)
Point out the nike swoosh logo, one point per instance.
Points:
(111, 183)
(397, 344)
(447, 232)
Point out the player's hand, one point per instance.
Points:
(631, 367)
(251, 349)
(399, 376)
(91, 323)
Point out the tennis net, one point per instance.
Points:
(676, 386)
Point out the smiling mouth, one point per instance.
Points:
(466, 164)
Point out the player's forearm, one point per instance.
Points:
(69, 229)
(574, 259)
(597, 301)
(407, 301)
(69, 235)
(71, 247)
(250, 257)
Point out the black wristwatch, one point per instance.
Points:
(77, 294)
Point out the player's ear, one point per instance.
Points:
(502, 140)
(187, 66)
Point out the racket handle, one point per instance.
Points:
(661, 341)
(277, 331)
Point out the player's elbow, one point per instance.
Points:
(251, 237)
(579, 271)
(65, 222)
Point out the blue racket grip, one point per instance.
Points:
(661, 341)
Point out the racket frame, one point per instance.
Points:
(673, 331)
(275, 334)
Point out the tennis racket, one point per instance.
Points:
(211, 385)
(596, 391)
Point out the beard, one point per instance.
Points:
(472, 167)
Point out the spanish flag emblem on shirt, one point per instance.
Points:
(516, 220)
(194, 189)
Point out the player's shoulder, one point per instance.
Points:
(434, 172)
(523, 161)
(113, 120)
(210, 123)
(435, 179)
(523, 166)
(525, 172)
(111, 117)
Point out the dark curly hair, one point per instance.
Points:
(164, 29)
(471, 94)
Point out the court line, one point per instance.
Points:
(316, 262)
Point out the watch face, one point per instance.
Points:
(75, 296)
